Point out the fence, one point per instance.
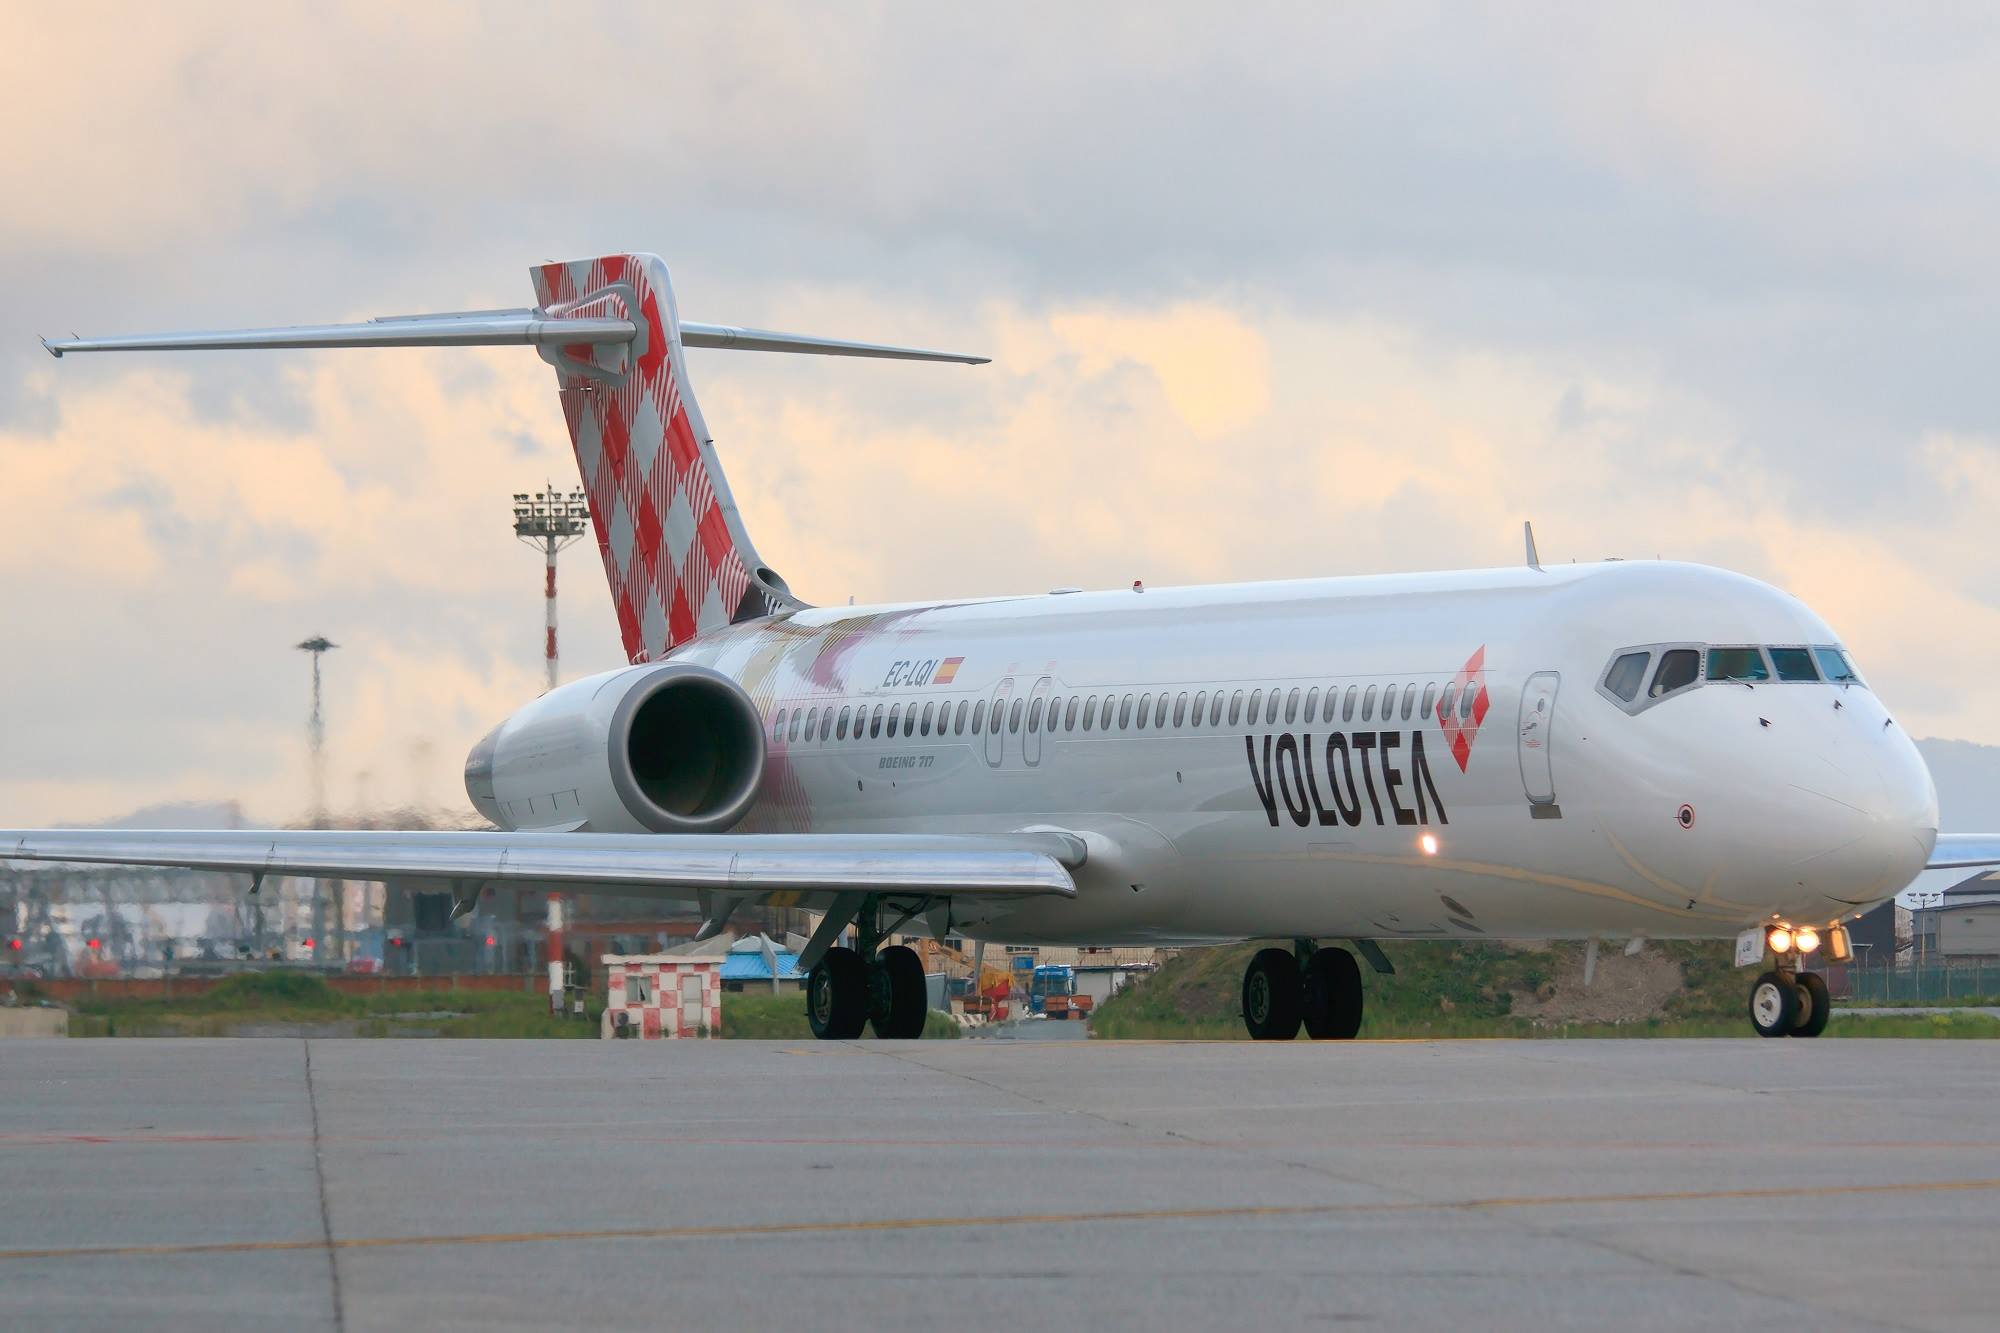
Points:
(1968, 979)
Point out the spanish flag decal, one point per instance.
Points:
(947, 671)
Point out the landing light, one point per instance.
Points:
(1428, 844)
(1806, 938)
(1781, 940)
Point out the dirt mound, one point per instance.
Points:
(1623, 990)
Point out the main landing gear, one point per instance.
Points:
(850, 989)
(1319, 989)
(1789, 1004)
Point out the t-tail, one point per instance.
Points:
(675, 550)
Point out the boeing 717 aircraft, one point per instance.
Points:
(1643, 750)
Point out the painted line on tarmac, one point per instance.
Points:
(752, 1229)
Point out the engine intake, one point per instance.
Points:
(687, 751)
(670, 748)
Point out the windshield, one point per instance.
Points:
(1737, 664)
(1834, 663)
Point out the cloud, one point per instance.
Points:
(1270, 293)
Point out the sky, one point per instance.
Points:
(1271, 291)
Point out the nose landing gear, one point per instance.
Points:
(1310, 986)
(1789, 1004)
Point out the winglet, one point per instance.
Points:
(1528, 532)
(51, 348)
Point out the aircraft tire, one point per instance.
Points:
(1332, 995)
(837, 996)
(1273, 996)
(1815, 1006)
(908, 1003)
(1774, 1005)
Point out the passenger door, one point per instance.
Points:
(1538, 712)
(1031, 735)
(996, 708)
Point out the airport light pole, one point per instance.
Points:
(550, 519)
(319, 646)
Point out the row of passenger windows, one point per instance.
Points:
(1112, 712)
(1681, 667)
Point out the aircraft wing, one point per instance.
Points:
(643, 864)
(1965, 851)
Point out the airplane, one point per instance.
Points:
(1645, 750)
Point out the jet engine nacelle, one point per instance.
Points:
(667, 747)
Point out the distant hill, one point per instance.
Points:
(1968, 784)
(179, 815)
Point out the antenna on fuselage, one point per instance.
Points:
(1528, 532)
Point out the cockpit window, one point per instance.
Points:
(1679, 668)
(1793, 664)
(1834, 663)
(1627, 673)
(1744, 664)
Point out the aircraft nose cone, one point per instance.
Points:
(1884, 819)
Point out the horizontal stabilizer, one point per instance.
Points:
(672, 865)
(491, 328)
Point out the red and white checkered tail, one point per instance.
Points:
(673, 543)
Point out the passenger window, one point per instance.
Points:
(1430, 697)
(1347, 708)
(1236, 707)
(1256, 702)
(1409, 700)
(1215, 709)
(1292, 705)
(1368, 705)
(1180, 708)
(978, 717)
(1737, 664)
(1069, 715)
(1834, 663)
(1626, 674)
(798, 720)
(924, 727)
(875, 722)
(1793, 663)
(1145, 709)
(842, 732)
(958, 722)
(1035, 716)
(1465, 699)
(1200, 707)
(894, 710)
(1678, 669)
(778, 726)
(1445, 700)
(1125, 713)
(1312, 704)
(1271, 706)
(993, 719)
(1388, 702)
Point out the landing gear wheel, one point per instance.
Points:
(1774, 1005)
(837, 996)
(907, 1003)
(1332, 995)
(1273, 996)
(1815, 1007)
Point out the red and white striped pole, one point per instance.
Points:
(550, 599)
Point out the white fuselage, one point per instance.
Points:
(1545, 808)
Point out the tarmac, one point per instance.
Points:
(999, 1184)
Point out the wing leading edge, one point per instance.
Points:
(1964, 851)
(667, 865)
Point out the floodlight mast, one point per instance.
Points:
(550, 519)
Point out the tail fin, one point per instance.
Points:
(674, 546)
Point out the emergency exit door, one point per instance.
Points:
(1538, 713)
